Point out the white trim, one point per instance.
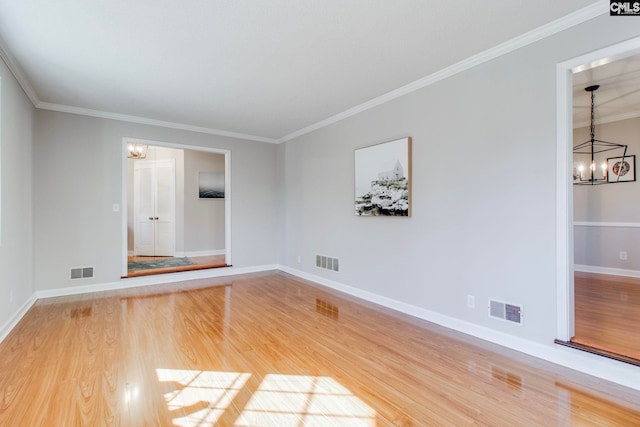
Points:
(17, 72)
(17, 316)
(564, 190)
(124, 208)
(607, 369)
(589, 12)
(601, 367)
(606, 224)
(606, 270)
(227, 207)
(134, 282)
(602, 56)
(561, 24)
(147, 121)
(564, 208)
(200, 253)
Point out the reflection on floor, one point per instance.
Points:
(607, 313)
(270, 349)
(198, 263)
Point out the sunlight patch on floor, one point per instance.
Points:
(206, 394)
(279, 400)
(285, 400)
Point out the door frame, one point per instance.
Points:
(227, 191)
(564, 186)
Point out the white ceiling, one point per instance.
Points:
(618, 96)
(266, 68)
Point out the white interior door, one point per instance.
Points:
(154, 207)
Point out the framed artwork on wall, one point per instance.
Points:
(621, 169)
(383, 179)
(210, 185)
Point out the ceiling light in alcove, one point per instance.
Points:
(585, 171)
(136, 151)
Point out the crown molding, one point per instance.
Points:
(147, 121)
(568, 21)
(596, 9)
(17, 72)
(20, 76)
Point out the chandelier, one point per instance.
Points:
(586, 157)
(136, 151)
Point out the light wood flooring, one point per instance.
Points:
(607, 313)
(273, 350)
(200, 263)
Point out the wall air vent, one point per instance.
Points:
(81, 273)
(327, 263)
(504, 311)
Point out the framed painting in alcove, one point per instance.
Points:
(210, 185)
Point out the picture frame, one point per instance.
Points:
(211, 185)
(383, 179)
(625, 174)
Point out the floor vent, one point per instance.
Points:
(81, 273)
(504, 311)
(327, 263)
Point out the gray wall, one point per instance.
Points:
(204, 228)
(78, 177)
(485, 228)
(484, 189)
(616, 203)
(16, 191)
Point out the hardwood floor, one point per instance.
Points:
(607, 313)
(200, 263)
(271, 349)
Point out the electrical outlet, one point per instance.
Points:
(471, 301)
(116, 207)
(299, 259)
(623, 255)
(11, 295)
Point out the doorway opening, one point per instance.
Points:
(176, 208)
(598, 226)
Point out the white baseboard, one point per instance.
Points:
(606, 270)
(200, 253)
(134, 282)
(13, 321)
(597, 366)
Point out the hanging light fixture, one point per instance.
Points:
(589, 172)
(136, 151)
